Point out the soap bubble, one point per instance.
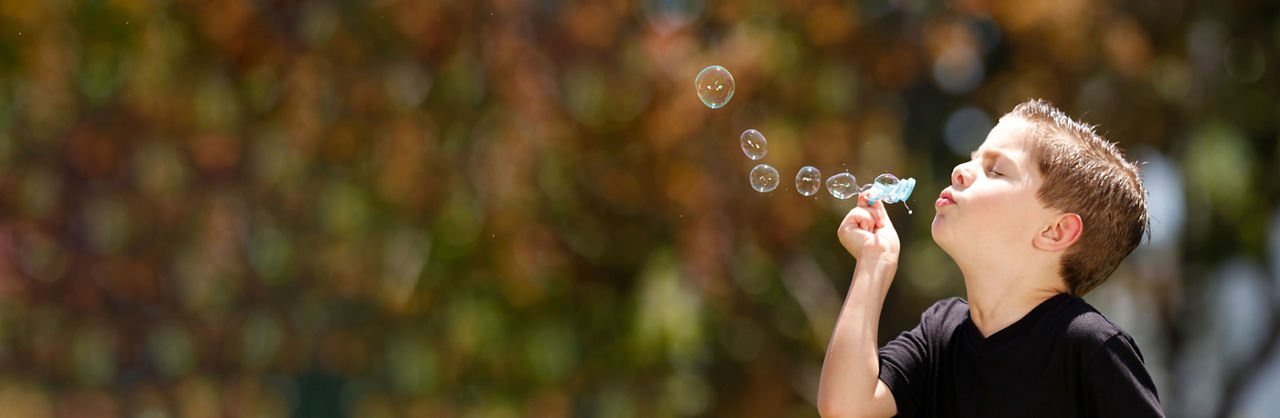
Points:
(764, 178)
(843, 185)
(886, 180)
(753, 144)
(715, 86)
(808, 180)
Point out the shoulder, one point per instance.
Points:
(1086, 325)
(945, 314)
(1111, 367)
(948, 306)
(1091, 332)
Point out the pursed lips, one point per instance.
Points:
(944, 198)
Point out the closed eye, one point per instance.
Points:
(989, 159)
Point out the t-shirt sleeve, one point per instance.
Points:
(1119, 383)
(905, 361)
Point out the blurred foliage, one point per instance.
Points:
(492, 209)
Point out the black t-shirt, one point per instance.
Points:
(1062, 359)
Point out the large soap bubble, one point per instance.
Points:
(715, 86)
(843, 185)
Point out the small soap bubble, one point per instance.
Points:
(886, 180)
(808, 180)
(715, 86)
(764, 178)
(753, 144)
(843, 185)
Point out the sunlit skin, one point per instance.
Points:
(1006, 242)
(989, 216)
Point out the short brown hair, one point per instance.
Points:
(1089, 176)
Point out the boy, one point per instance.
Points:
(1043, 212)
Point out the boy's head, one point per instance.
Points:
(1047, 184)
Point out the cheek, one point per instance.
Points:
(993, 217)
(1018, 217)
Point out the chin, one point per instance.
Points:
(941, 233)
(936, 231)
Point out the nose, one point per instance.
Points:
(961, 177)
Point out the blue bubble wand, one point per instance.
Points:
(888, 188)
(885, 188)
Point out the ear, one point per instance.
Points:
(1060, 234)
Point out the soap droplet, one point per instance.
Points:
(764, 178)
(843, 185)
(715, 86)
(808, 180)
(753, 144)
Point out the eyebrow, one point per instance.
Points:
(993, 154)
(974, 154)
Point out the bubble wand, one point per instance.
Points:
(886, 187)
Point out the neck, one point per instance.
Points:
(998, 299)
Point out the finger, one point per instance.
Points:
(881, 215)
(859, 218)
(876, 210)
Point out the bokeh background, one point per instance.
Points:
(520, 208)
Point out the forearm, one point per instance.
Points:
(851, 369)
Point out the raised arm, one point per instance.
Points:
(850, 385)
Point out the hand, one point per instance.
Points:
(867, 233)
